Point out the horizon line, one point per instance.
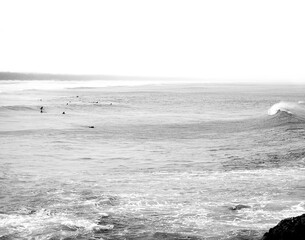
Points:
(10, 75)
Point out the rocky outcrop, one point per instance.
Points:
(288, 229)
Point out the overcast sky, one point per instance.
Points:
(214, 39)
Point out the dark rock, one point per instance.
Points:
(91, 126)
(238, 207)
(287, 229)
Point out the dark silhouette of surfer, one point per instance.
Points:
(238, 207)
(41, 109)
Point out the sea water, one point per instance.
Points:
(149, 160)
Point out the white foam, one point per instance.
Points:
(29, 224)
(294, 108)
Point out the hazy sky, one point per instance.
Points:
(214, 39)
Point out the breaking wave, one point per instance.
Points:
(292, 108)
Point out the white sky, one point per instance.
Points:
(213, 39)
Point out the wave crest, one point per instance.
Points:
(294, 108)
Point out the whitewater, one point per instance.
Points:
(149, 160)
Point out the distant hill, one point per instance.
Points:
(44, 76)
(48, 76)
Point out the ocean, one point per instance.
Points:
(149, 160)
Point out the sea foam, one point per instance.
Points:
(295, 108)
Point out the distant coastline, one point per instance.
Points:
(30, 76)
(50, 76)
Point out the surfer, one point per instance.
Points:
(238, 207)
(41, 109)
